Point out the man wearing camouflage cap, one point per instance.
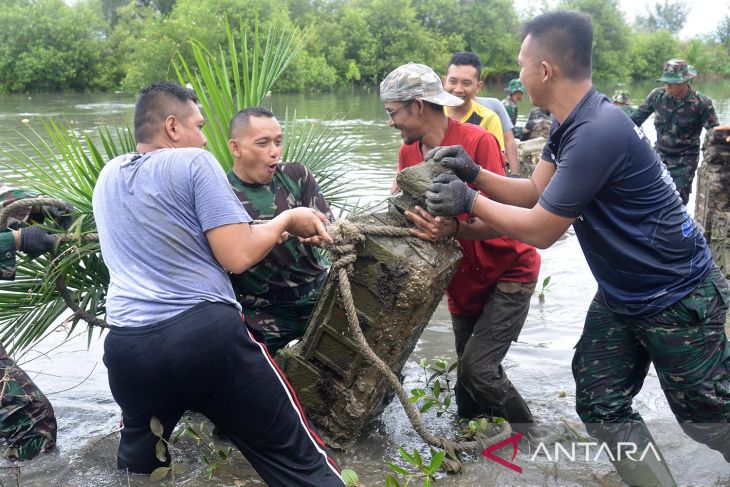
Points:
(489, 296)
(680, 114)
(515, 91)
(622, 100)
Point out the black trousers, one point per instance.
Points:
(204, 359)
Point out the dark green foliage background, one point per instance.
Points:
(101, 45)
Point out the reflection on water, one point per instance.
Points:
(539, 364)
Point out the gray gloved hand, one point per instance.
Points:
(449, 196)
(454, 157)
(34, 241)
(62, 217)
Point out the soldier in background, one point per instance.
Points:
(515, 92)
(622, 100)
(279, 293)
(680, 113)
(27, 420)
(538, 124)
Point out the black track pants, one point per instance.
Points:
(204, 359)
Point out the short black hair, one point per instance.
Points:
(242, 118)
(567, 37)
(467, 59)
(155, 103)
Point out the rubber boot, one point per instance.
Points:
(648, 471)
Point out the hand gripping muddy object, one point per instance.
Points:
(397, 283)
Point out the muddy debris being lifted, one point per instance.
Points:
(397, 284)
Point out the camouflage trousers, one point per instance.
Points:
(277, 323)
(682, 170)
(686, 342)
(27, 420)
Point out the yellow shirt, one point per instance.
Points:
(486, 119)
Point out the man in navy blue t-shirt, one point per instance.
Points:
(660, 298)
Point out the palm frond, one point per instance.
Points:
(64, 165)
(319, 147)
(224, 86)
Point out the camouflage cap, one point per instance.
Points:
(677, 71)
(514, 86)
(620, 96)
(413, 80)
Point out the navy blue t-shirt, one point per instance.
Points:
(642, 246)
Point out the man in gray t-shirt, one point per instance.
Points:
(169, 229)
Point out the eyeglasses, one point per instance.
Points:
(393, 113)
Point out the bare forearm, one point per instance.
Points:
(240, 246)
(476, 230)
(534, 226)
(510, 191)
(510, 150)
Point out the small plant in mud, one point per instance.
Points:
(350, 478)
(213, 458)
(437, 391)
(544, 289)
(481, 426)
(421, 471)
(163, 448)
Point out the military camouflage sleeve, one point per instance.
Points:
(709, 117)
(312, 195)
(9, 194)
(7, 255)
(645, 109)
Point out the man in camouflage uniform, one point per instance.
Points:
(515, 92)
(621, 99)
(27, 420)
(680, 113)
(538, 124)
(277, 294)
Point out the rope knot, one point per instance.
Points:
(345, 235)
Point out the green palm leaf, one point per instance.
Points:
(65, 165)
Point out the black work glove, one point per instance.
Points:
(454, 157)
(62, 217)
(449, 196)
(34, 241)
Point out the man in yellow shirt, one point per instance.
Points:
(463, 79)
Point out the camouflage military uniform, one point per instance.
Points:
(512, 109)
(621, 99)
(687, 345)
(8, 194)
(538, 124)
(27, 420)
(279, 293)
(510, 104)
(678, 125)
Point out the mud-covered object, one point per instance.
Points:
(397, 284)
(713, 182)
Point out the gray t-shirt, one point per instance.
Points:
(152, 212)
(497, 107)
